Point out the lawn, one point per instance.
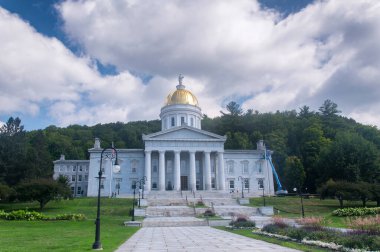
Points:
(67, 235)
(290, 207)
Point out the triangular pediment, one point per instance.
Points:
(184, 133)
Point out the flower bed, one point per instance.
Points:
(324, 237)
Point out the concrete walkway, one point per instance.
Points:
(193, 239)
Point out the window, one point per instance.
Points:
(101, 184)
(192, 122)
(182, 120)
(80, 168)
(260, 183)
(154, 165)
(213, 183)
(68, 168)
(74, 168)
(62, 168)
(232, 184)
(245, 167)
(197, 168)
(86, 168)
(197, 184)
(246, 183)
(172, 121)
(213, 165)
(230, 167)
(79, 190)
(79, 177)
(154, 185)
(85, 177)
(134, 164)
(259, 167)
(73, 178)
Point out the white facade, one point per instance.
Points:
(182, 157)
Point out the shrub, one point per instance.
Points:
(22, 215)
(296, 233)
(280, 222)
(362, 241)
(368, 224)
(311, 222)
(242, 221)
(199, 204)
(271, 228)
(75, 217)
(209, 213)
(359, 211)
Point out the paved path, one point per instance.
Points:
(194, 239)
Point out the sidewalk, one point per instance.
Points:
(194, 239)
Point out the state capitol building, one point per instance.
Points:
(180, 157)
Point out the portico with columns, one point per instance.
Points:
(188, 159)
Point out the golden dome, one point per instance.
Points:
(181, 96)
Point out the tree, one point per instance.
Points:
(42, 190)
(234, 109)
(294, 173)
(350, 157)
(344, 190)
(329, 108)
(5, 192)
(12, 126)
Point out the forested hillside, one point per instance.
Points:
(309, 147)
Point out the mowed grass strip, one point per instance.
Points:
(290, 207)
(67, 235)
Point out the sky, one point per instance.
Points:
(89, 62)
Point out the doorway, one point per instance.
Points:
(184, 181)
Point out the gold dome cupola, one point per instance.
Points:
(181, 108)
(181, 95)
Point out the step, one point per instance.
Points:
(173, 222)
(169, 211)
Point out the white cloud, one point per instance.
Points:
(226, 50)
(234, 49)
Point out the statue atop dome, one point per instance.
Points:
(180, 78)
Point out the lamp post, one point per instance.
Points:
(302, 209)
(134, 198)
(263, 194)
(97, 244)
(242, 185)
(142, 181)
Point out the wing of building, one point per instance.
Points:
(181, 156)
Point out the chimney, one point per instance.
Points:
(97, 143)
(260, 145)
(62, 157)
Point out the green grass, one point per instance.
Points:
(288, 244)
(290, 207)
(67, 235)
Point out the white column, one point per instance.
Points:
(207, 170)
(161, 174)
(222, 179)
(148, 168)
(192, 171)
(177, 171)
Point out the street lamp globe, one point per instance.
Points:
(116, 167)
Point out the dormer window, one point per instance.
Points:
(182, 120)
(172, 122)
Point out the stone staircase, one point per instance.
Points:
(169, 211)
